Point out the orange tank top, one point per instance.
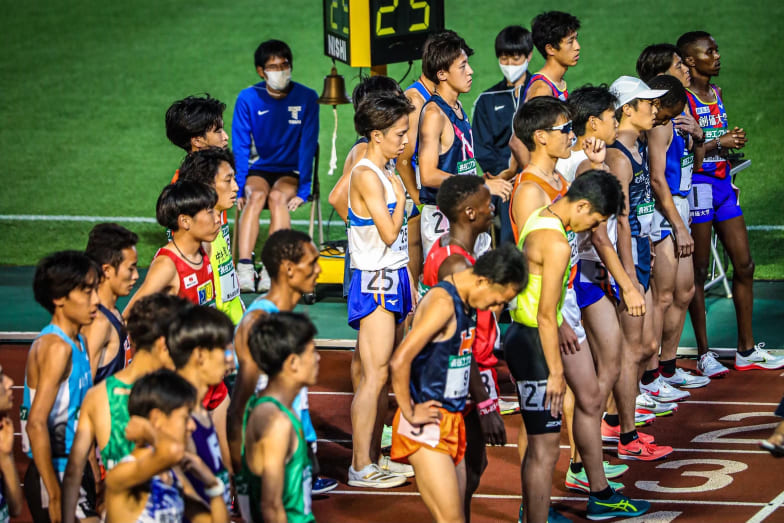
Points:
(552, 193)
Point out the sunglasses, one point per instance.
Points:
(565, 128)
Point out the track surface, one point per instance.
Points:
(717, 473)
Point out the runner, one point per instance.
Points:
(430, 376)
(195, 123)
(11, 497)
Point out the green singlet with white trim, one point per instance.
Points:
(118, 446)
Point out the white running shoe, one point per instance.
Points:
(647, 405)
(372, 476)
(247, 277)
(664, 392)
(759, 359)
(264, 281)
(643, 418)
(709, 366)
(686, 380)
(386, 464)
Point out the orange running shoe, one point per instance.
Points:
(613, 434)
(643, 451)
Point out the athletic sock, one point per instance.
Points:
(649, 376)
(628, 437)
(603, 494)
(576, 468)
(612, 420)
(667, 368)
(245, 260)
(746, 352)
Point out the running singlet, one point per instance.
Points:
(425, 94)
(712, 117)
(64, 415)
(196, 285)
(5, 517)
(528, 300)
(557, 93)
(368, 250)
(227, 285)
(124, 354)
(459, 158)
(680, 164)
(164, 502)
(205, 439)
(118, 446)
(552, 193)
(297, 478)
(641, 200)
(486, 326)
(441, 371)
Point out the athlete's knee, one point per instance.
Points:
(589, 401)
(683, 295)
(542, 451)
(278, 199)
(375, 377)
(256, 199)
(664, 298)
(700, 272)
(744, 270)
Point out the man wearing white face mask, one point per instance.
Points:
(275, 133)
(494, 111)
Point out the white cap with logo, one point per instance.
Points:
(628, 88)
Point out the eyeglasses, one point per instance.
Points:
(278, 67)
(565, 128)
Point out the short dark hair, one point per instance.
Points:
(537, 113)
(150, 317)
(379, 111)
(107, 241)
(513, 39)
(191, 117)
(676, 93)
(373, 85)
(197, 327)
(503, 265)
(687, 40)
(589, 101)
(550, 28)
(274, 337)
(270, 48)
(601, 189)
(655, 60)
(202, 165)
(164, 390)
(283, 245)
(440, 51)
(453, 193)
(183, 197)
(61, 272)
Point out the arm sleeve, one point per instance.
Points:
(483, 135)
(240, 141)
(307, 147)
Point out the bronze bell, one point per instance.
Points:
(334, 90)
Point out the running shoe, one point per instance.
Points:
(643, 418)
(647, 405)
(386, 464)
(664, 392)
(613, 471)
(508, 407)
(643, 451)
(612, 434)
(323, 485)
(247, 277)
(709, 366)
(617, 506)
(686, 380)
(579, 481)
(372, 476)
(264, 282)
(759, 359)
(552, 516)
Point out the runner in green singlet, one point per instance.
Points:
(104, 412)
(274, 446)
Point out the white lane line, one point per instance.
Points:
(120, 219)
(697, 402)
(768, 509)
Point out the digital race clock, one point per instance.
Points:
(363, 33)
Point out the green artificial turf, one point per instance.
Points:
(85, 85)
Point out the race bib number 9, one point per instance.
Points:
(382, 281)
(457, 377)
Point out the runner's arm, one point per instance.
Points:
(372, 192)
(196, 511)
(634, 300)
(405, 165)
(149, 462)
(538, 88)
(77, 459)
(338, 196)
(161, 277)
(619, 165)
(268, 459)
(96, 337)
(11, 486)
(430, 128)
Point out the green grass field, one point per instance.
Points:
(85, 86)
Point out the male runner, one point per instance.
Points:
(148, 484)
(113, 247)
(531, 343)
(446, 145)
(628, 161)
(11, 497)
(195, 123)
(714, 202)
(57, 378)
(495, 108)
(278, 119)
(554, 35)
(104, 412)
(466, 202)
(214, 166)
(430, 376)
(274, 450)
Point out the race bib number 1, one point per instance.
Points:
(382, 281)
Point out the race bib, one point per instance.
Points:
(687, 168)
(229, 283)
(466, 167)
(489, 383)
(457, 377)
(307, 490)
(571, 237)
(701, 197)
(206, 293)
(429, 433)
(382, 281)
(714, 134)
(645, 217)
(532, 395)
(401, 242)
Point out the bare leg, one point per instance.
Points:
(284, 190)
(415, 261)
(568, 421)
(701, 233)
(256, 191)
(537, 475)
(605, 338)
(637, 334)
(441, 484)
(663, 287)
(675, 316)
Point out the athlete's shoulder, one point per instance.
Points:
(93, 399)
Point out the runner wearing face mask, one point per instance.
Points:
(494, 111)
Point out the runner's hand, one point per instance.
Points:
(556, 389)
(240, 203)
(685, 122)
(294, 203)
(398, 187)
(684, 243)
(140, 431)
(595, 149)
(634, 300)
(493, 428)
(195, 465)
(499, 187)
(426, 412)
(567, 339)
(55, 515)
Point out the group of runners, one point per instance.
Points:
(187, 404)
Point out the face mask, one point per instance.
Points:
(512, 73)
(278, 80)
